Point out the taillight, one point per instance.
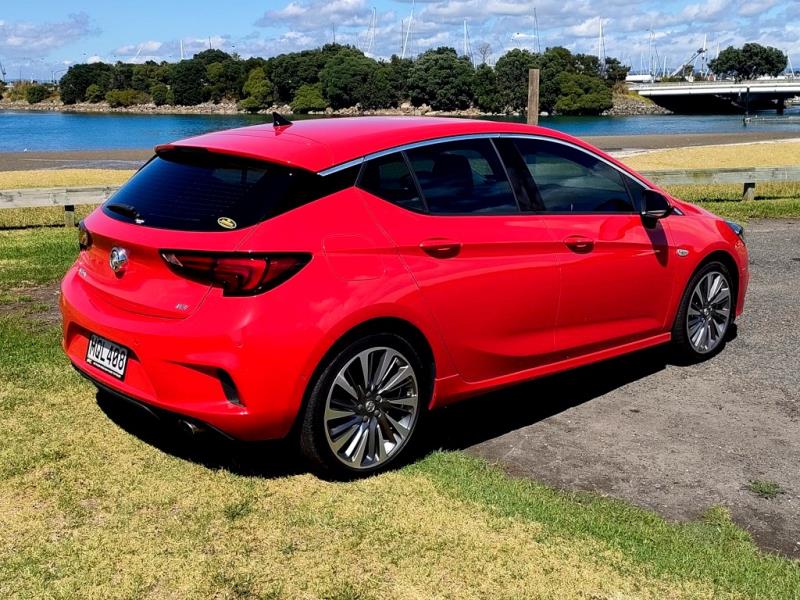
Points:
(84, 237)
(238, 274)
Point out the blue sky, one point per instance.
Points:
(38, 38)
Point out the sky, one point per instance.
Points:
(39, 40)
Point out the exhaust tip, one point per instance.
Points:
(189, 428)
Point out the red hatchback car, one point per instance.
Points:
(338, 278)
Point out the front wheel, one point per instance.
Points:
(705, 314)
(365, 406)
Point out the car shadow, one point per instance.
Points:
(455, 427)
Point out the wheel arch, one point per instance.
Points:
(392, 325)
(730, 263)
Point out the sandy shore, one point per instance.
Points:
(132, 159)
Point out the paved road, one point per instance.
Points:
(675, 439)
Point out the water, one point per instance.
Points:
(37, 131)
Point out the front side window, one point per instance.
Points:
(463, 177)
(388, 177)
(570, 180)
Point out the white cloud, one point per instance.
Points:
(21, 38)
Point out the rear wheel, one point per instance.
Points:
(365, 406)
(705, 314)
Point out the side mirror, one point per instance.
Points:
(654, 207)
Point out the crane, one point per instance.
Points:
(690, 63)
(2, 72)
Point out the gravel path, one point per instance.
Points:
(675, 439)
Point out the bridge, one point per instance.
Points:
(720, 96)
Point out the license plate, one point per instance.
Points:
(108, 356)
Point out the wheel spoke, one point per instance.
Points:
(404, 401)
(340, 440)
(332, 413)
(387, 359)
(401, 376)
(342, 382)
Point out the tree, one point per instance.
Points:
(94, 94)
(188, 78)
(485, 52)
(511, 70)
(615, 72)
(379, 90)
(487, 93)
(308, 98)
(2, 88)
(749, 62)
(442, 79)
(257, 91)
(36, 93)
(582, 94)
(398, 70)
(79, 77)
(345, 77)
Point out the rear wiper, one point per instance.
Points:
(126, 210)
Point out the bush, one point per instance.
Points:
(125, 98)
(257, 90)
(94, 94)
(308, 98)
(160, 94)
(36, 93)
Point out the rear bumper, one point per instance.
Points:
(221, 367)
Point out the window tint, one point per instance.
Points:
(388, 177)
(569, 180)
(636, 190)
(196, 191)
(464, 177)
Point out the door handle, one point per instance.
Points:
(440, 248)
(579, 243)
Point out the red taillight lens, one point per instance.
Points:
(84, 237)
(237, 274)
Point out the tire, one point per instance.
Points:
(351, 427)
(703, 322)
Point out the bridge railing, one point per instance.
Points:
(71, 197)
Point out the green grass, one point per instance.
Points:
(773, 200)
(766, 489)
(90, 510)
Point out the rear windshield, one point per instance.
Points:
(202, 191)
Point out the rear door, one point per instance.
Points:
(616, 273)
(180, 200)
(486, 270)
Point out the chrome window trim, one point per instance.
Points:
(472, 136)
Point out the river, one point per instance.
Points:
(42, 131)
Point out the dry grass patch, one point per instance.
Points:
(763, 154)
(47, 178)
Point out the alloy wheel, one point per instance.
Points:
(709, 312)
(371, 408)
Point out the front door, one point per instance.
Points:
(616, 275)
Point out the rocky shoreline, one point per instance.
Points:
(627, 105)
(624, 105)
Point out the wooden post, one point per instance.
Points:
(533, 96)
(69, 215)
(749, 190)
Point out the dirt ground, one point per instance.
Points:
(676, 439)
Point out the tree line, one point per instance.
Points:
(338, 76)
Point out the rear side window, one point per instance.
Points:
(463, 177)
(569, 180)
(388, 177)
(201, 191)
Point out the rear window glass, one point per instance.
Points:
(197, 191)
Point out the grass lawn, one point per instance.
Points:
(760, 154)
(45, 178)
(88, 509)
